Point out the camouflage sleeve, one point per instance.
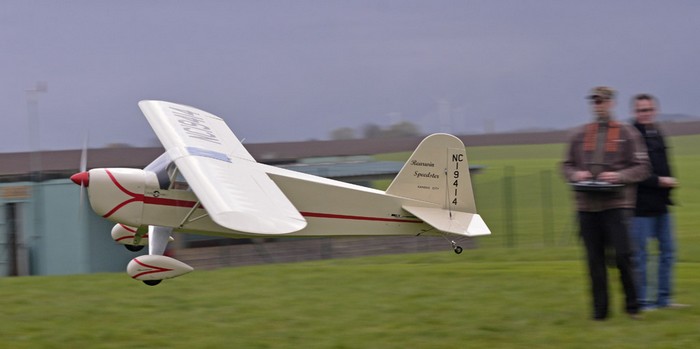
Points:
(639, 168)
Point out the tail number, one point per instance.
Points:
(456, 159)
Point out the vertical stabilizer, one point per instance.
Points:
(438, 173)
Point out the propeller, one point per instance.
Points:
(83, 168)
(82, 178)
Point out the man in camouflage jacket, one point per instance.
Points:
(610, 152)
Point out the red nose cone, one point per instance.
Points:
(82, 178)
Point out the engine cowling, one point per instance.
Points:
(117, 193)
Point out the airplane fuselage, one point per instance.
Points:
(331, 208)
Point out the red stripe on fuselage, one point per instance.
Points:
(189, 204)
(168, 202)
(134, 197)
(357, 218)
(145, 199)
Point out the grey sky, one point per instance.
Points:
(295, 70)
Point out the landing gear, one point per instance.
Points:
(458, 249)
(134, 248)
(151, 282)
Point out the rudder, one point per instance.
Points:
(437, 172)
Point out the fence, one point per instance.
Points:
(532, 208)
(262, 251)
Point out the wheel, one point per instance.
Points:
(458, 249)
(151, 282)
(134, 248)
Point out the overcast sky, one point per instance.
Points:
(295, 70)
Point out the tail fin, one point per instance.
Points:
(437, 173)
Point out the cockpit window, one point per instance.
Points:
(177, 181)
(167, 173)
(159, 166)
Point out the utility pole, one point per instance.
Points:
(35, 166)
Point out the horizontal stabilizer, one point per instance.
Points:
(453, 222)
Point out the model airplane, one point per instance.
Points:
(207, 183)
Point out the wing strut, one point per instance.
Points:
(189, 214)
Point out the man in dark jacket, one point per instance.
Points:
(604, 161)
(652, 219)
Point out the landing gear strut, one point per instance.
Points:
(458, 249)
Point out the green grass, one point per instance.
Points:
(533, 294)
(483, 298)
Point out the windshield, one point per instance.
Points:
(168, 175)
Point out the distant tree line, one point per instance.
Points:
(369, 131)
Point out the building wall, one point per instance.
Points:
(57, 236)
(18, 195)
(60, 245)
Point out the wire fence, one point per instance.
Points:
(525, 209)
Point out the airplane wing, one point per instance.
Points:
(455, 222)
(235, 192)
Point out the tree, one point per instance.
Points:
(372, 131)
(343, 133)
(403, 129)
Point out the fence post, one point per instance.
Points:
(508, 205)
(547, 208)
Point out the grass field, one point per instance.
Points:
(533, 294)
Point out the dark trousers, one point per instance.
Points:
(608, 231)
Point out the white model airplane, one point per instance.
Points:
(207, 183)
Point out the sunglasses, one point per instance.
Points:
(645, 110)
(598, 101)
